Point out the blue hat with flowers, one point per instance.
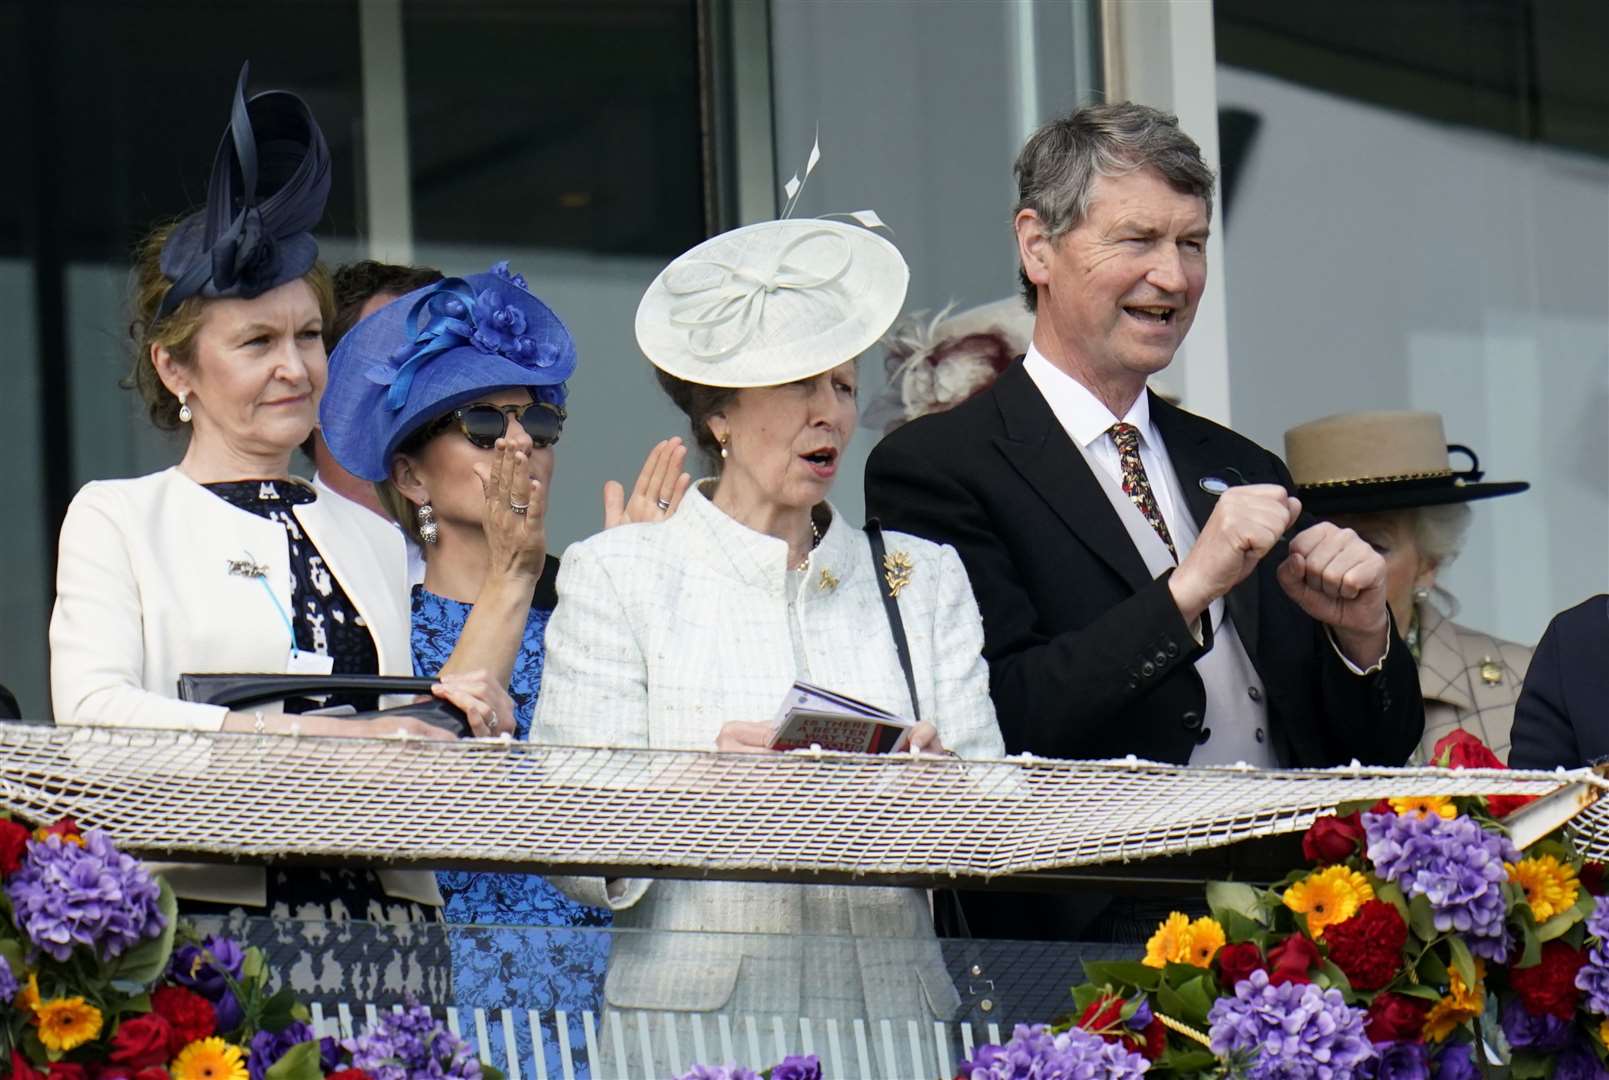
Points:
(431, 351)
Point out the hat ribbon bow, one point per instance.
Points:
(449, 324)
(737, 299)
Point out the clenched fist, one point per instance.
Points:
(1245, 525)
(1336, 577)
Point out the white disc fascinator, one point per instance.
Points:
(774, 302)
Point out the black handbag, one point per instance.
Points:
(245, 690)
(948, 918)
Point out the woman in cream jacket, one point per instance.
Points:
(687, 634)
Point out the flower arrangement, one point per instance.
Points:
(792, 1067)
(99, 980)
(1418, 943)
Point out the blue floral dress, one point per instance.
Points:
(498, 959)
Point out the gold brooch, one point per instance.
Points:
(897, 572)
(827, 582)
(1491, 671)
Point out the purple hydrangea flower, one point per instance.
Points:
(8, 982)
(1579, 1063)
(1456, 865)
(1400, 1061)
(64, 896)
(719, 1072)
(268, 1047)
(1294, 1030)
(411, 1046)
(1594, 974)
(1524, 1031)
(797, 1067)
(1075, 1054)
(1457, 1062)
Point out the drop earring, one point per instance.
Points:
(724, 440)
(185, 415)
(429, 532)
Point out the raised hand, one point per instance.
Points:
(514, 516)
(658, 491)
(1245, 525)
(1336, 577)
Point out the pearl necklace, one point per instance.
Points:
(815, 540)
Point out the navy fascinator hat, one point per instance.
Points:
(437, 348)
(270, 181)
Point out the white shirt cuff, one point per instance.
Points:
(1350, 666)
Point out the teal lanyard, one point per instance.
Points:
(284, 616)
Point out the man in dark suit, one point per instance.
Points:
(1562, 717)
(1131, 560)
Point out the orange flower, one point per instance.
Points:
(1328, 896)
(1202, 942)
(1169, 941)
(1461, 1004)
(1426, 806)
(67, 1023)
(1550, 886)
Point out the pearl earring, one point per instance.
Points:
(1421, 594)
(429, 532)
(185, 415)
(724, 440)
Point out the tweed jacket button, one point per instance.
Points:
(1191, 720)
(1254, 693)
(1148, 669)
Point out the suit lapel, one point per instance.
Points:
(1197, 450)
(1040, 451)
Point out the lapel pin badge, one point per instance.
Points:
(897, 570)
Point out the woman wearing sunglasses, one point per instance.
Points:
(452, 400)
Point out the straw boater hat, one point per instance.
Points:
(1365, 461)
(775, 302)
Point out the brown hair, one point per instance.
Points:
(177, 331)
(699, 403)
(359, 282)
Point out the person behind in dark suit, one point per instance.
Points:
(1140, 589)
(1562, 717)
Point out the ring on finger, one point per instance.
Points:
(518, 508)
(663, 504)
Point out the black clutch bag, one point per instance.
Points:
(244, 691)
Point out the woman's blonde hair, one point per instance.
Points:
(177, 331)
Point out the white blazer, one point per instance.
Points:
(665, 632)
(144, 594)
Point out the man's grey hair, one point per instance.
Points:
(1059, 164)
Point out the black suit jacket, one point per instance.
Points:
(1088, 655)
(1562, 717)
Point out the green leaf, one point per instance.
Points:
(1421, 918)
(11, 952)
(1122, 973)
(489, 1072)
(1392, 894)
(1558, 925)
(278, 1011)
(149, 959)
(1339, 980)
(1085, 995)
(1234, 896)
(1185, 1061)
(1432, 972)
(301, 1062)
(1419, 990)
(1463, 961)
(1530, 942)
(1530, 1066)
(251, 965)
(1238, 927)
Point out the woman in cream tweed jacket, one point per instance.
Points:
(688, 633)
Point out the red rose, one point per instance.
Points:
(21, 1070)
(348, 1074)
(1368, 946)
(1237, 962)
(142, 1041)
(188, 1014)
(1104, 1017)
(1332, 839)
(1461, 750)
(1501, 806)
(1291, 960)
(1395, 1017)
(1103, 1012)
(67, 1070)
(1548, 988)
(13, 844)
(1592, 877)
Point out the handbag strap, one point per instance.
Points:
(874, 533)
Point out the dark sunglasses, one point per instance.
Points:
(483, 424)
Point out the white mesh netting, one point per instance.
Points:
(564, 809)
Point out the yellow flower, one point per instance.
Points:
(67, 1023)
(1202, 942)
(1550, 886)
(1426, 805)
(1603, 1032)
(1461, 1004)
(1328, 896)
(210, 1059)
(27, 999)
(1168, 942)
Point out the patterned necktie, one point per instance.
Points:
(1135, 483)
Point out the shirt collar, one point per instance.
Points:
(1084, 416)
